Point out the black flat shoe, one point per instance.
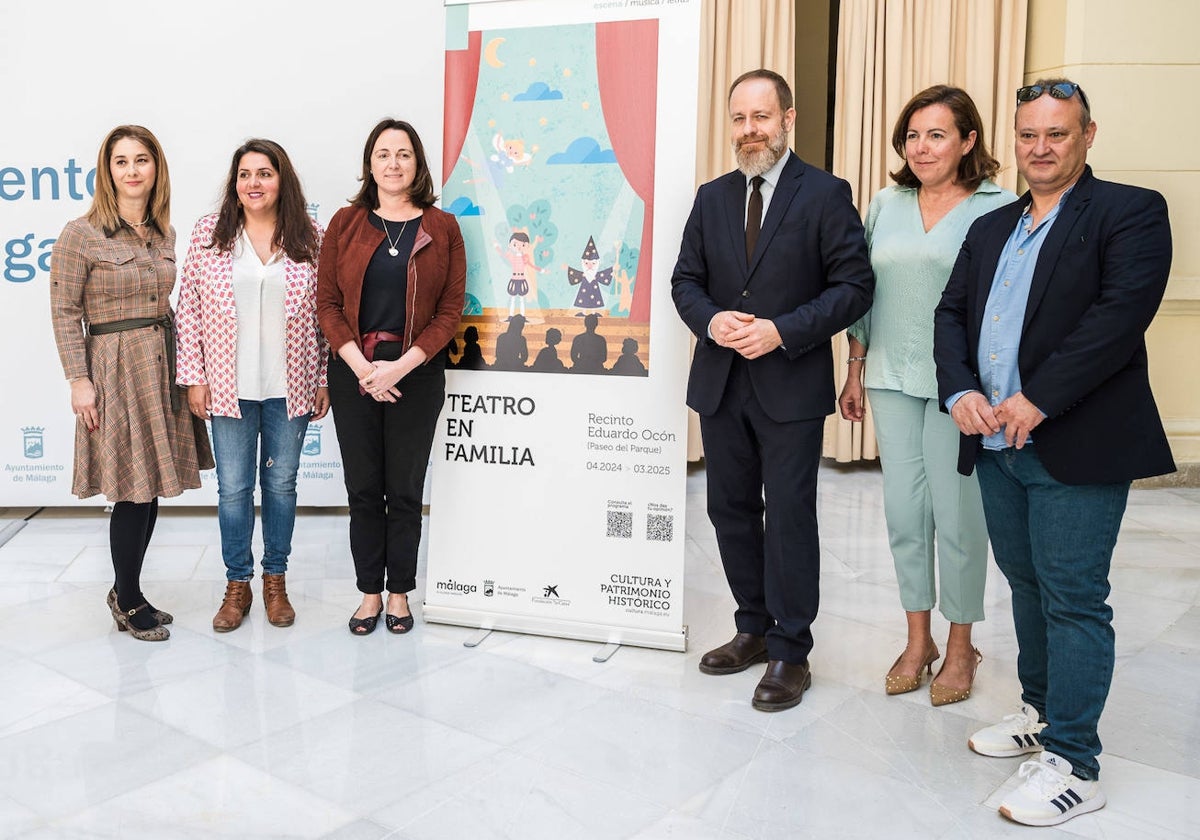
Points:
(398, 623)
(364, 626)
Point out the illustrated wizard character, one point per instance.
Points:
(589, 280)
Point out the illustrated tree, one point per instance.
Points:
(623, 279)
(471, 304)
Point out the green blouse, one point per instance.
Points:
(911, 269)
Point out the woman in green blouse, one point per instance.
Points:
(915, 230)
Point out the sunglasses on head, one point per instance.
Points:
(1061, 90)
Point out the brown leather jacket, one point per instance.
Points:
(437, 279)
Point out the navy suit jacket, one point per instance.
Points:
(809, 274)
(1099, 279)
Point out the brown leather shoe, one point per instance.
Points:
(234, 607)
(782, 686)
(736, 655)
(275, 599)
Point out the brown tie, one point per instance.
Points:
(753, 216)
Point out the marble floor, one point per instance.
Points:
(309, 732)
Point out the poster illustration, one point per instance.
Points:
(557, 502)
(550, 138)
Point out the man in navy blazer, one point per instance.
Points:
(1041, 358)
(773, 263)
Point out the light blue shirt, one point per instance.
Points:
(1004, 314)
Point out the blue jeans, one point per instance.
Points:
(236, 451)
(1054, 543)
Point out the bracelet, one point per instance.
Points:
(856, 359)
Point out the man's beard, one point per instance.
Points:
(756, 162)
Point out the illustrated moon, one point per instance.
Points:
(489, 52)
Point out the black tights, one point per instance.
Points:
(129, 531)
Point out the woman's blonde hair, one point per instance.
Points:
(104, 213)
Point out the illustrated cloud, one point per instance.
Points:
(583, 150)
(463, 206)
(538, 92)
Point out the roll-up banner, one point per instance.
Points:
(74, 69)
(558, 485)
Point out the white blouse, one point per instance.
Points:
(258, 295)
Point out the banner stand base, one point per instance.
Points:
(607, 634)
(605, 653)
(477, 638)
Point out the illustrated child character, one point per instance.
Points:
(472, 353)
(520, 257)
(511, 153)
(589, 280)
(547, 360)
(508, 156)
(628, 363)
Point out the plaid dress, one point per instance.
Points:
(142, 449)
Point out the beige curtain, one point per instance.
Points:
(735, 36)
(887, 51)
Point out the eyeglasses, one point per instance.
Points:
(1061, 90)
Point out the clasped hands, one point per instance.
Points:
(380, 381)
(740, 331)
(974, 415)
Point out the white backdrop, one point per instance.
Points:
(203, 78)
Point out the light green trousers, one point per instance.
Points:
(927, 503)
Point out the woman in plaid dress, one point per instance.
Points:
(111, 274)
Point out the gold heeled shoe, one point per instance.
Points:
(903, 683)
(940, 695)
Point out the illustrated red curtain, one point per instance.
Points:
(627, 70)
(462, 75)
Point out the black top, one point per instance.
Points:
(385, 282)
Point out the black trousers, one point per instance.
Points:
(385, 452)
(762, 501)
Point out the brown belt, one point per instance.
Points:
(168, 327)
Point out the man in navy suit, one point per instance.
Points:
(773, 263)
(1041, 356)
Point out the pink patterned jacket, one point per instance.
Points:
(206, 326)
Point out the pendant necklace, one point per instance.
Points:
(142, 223)
(392, 250)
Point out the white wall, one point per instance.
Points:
(203, 77)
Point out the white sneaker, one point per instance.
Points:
(1014, 735)
(1050, 794)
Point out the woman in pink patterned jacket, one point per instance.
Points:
(254, 361)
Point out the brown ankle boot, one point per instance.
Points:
(234, 607)
(275, 599)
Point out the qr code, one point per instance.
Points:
(660, 528)
(620, 524)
